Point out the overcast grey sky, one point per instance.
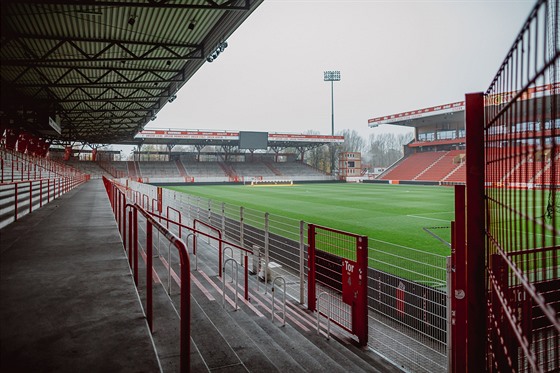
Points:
(393, 56)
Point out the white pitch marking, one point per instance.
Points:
(423, 217)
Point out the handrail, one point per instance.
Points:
(224, 254)
(329, 314)
(178, 213)
(219, 241)
(236, 281)
(224, 242)
(187, 243)
(115, 194)
(235, 246)
(147, 199)
(283, 300)
(37, 192)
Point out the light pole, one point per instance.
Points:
(332, 76)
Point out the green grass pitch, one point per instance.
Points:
(386, 213)
(396, 218)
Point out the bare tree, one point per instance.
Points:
(386, 148)
(353, 142)
(318, 157)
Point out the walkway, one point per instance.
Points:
(68, 302)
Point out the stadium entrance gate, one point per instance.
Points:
(337, 278)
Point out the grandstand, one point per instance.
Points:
(438, 152)
(120, 274)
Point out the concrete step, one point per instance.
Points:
(256, 350)
(312, 352)
(246, 339)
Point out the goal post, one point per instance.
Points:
(272, 182)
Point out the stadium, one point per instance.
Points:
(227, 250)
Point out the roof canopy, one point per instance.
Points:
(97, 71)
(542, 98)
(229, 138)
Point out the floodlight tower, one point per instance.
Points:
(332, 76)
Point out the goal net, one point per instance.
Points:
(272, 182)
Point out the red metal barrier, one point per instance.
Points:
(513, 215)
(28, 190)
(458, 278)
(338, 265)
(220, 259)
(151, 223)
(221, 243)
(179, 214)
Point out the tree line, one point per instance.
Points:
(379, 150)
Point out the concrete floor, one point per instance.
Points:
(67, 299)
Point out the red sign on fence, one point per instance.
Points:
(343, 280)
(349, 281)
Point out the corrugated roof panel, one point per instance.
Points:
(74, 57)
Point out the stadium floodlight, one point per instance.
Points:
(216, 52)
(332, 76)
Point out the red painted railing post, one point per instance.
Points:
(124, 222)
(130, 238)
(475, 220)
(458, 285)
(185, 326)
(246, 264)
(149, 267)
(123, 217)
(135, 241)
(311, 294)
(360, 308)
(30, 196)
(16, 204)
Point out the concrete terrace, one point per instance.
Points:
(69, 304)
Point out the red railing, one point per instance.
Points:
(512, 235)
(37, 192)
(222, 246)
(178, 214)
(117, 198)
(219, 232)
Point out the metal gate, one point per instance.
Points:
(513, 210)
(337, 278)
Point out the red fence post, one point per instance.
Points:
(311, 294)
(246, 264)
(360, 310)
(124, 222)
(16, 204)
(160, 199)
(149, 265)
(135, 241)
(475, 253)
(458, 287)
(30, 196)
(185, 344)
(123, 217)
(130, 238)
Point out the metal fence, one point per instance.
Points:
(406, 287)
(521, 140)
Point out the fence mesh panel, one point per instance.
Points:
(522, 177)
